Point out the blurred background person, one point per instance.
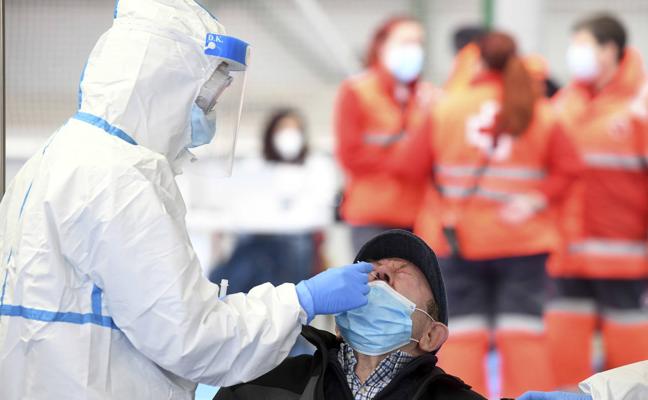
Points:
(501, 167)
(467, 61)
(600, 282)
(374, 112)
(278, 207)
(539, 70)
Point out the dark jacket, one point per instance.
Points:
(320, 377)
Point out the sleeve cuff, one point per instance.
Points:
(305, 300)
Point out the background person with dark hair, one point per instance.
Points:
(601, 279)
(284, 138)
(467, 62)
(467, 59)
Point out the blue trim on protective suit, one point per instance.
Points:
(22, 206)
(96, 300)
(80, 92)
(116, 9)
(4, 285)
(103, 124)
(56, 316)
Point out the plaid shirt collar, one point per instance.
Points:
(379, 378)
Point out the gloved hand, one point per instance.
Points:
(554, 396)
(335, 290)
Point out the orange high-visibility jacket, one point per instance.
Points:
(370, 124)
(464, 69)
(613, 142)
(539, 160)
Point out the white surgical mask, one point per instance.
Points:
(405, 62)
(582, 64)
(289, 143)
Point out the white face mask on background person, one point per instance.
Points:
(582, 63)
(289, 143)
(405, 62)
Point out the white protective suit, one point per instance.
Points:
(624, 383)
(102, 295)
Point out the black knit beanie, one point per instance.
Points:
(398, 243)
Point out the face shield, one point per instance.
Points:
(216, 112)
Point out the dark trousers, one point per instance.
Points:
(608, 295)
(489, 288)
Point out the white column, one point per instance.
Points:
(522, 18)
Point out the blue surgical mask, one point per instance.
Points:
(405, 62)
(381, 326)
(203, 129)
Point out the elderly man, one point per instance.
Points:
(386, 349)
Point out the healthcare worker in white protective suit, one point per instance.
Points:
(102, 295)
(624, 383)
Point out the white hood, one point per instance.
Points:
(145, 72)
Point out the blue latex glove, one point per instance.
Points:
(335, 290)
(554, 396)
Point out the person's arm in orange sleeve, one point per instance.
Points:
(353, 153)
(414, 157)
(464, 68)
(640, 122)
(564, 166)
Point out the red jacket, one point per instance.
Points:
(370, 124)
(464, 69)
(542, 159)
(613, 141)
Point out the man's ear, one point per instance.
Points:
(433, 338)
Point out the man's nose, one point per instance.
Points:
(381, 273)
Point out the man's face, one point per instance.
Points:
(408, 280)
(405, 278)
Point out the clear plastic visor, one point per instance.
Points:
(215, 120)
